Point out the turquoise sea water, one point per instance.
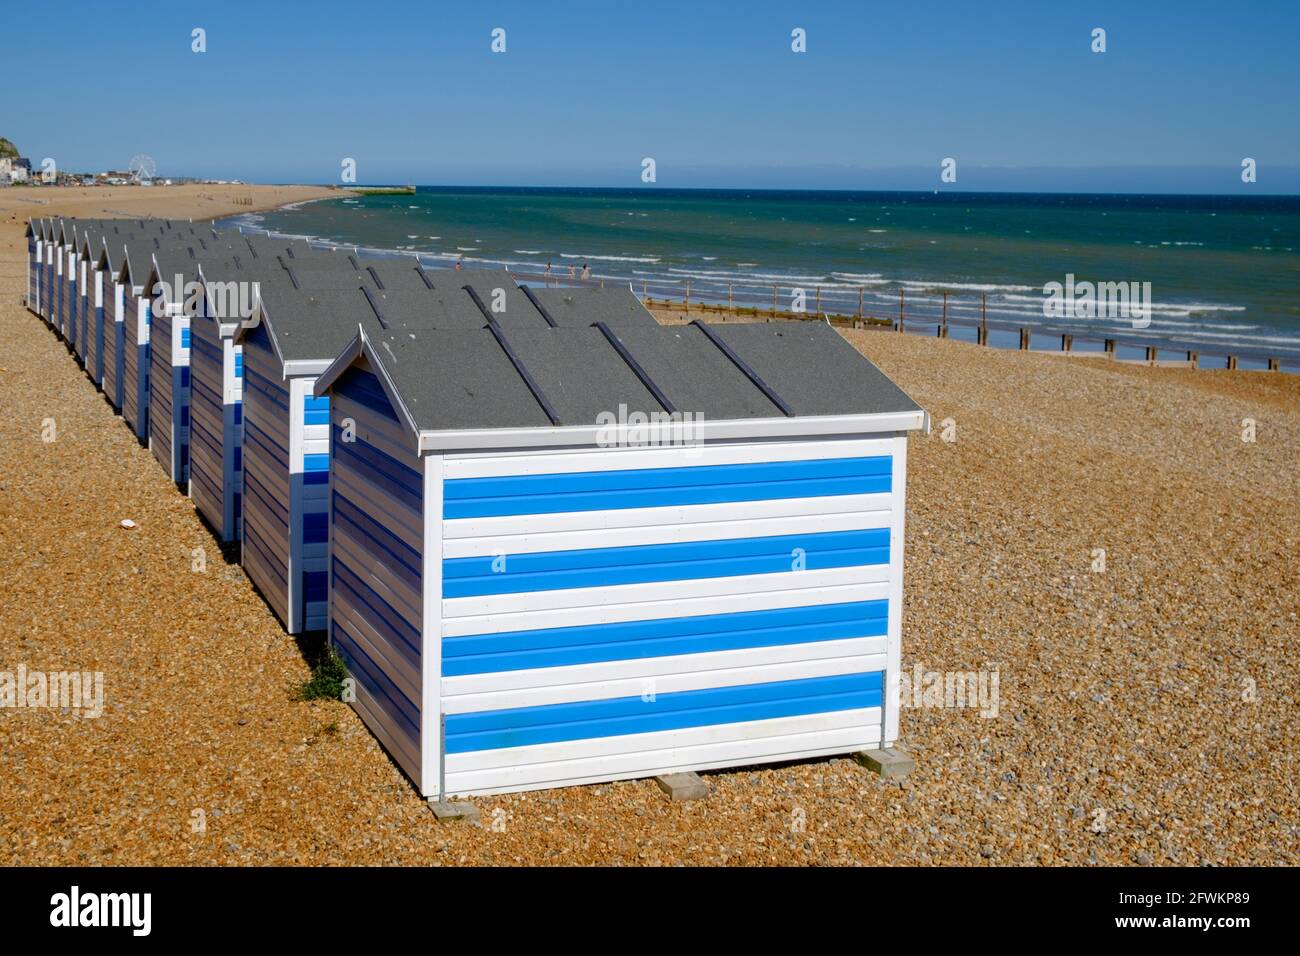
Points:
(1224, 270)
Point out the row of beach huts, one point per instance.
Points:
(553, 541)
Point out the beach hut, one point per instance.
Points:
(64, 241)
(548, 571)
(49, 289)
(229, 289)
(34, 233)
(137, 265)
(169, 360)
(290, 339)
(89, 303)
(111, 260)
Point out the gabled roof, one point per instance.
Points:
(502, 388)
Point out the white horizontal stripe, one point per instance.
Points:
(661, 675)
(494, 465)
(666, 751)
(675, 514)
(661, 590)
(664, 534)
(670, 515)
(649, 610)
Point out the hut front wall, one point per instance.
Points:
(310, 467)
(629, 612)
(376, 591)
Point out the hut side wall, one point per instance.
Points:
(114, 341)
(135, 362)
(376, 595)
(34, 274)
(216, 426)
(169, 392)
(265, 553)
(628, 612)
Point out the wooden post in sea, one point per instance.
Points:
(774, 302)
(730, 304)
(901, 318)
(943, 329)
(1194, 359)
(644, 286)
(1152, 353)
(819, 300)
(1232, 363)
(860, 302)
(688, 295)
(1024, 340)
(1275, 365)
(982, 336)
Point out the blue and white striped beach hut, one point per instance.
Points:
(547, 571)
(291, 338)
(230, 289)
(169, 360)
(34, 233)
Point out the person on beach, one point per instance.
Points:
(586, 272)
(458, 264)
(572, 273)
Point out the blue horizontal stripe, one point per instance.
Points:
(588, 720)
(664, 487)
(663, 637)
(642, 564)
(185, 338)
(316, 462)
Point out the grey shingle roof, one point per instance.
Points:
(463, 379)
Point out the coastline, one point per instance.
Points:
(1121, 690)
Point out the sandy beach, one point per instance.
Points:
(1147, 712)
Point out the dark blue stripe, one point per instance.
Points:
(586, 720)
(664, 487)
(642, 564)
(663, 637)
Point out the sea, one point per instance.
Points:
(1223, 271)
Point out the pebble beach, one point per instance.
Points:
(1117, 543)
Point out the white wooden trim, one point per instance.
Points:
(537, 524)
(431, 638)
(897, 540)
(455, 440)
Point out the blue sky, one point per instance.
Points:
(713, 92)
